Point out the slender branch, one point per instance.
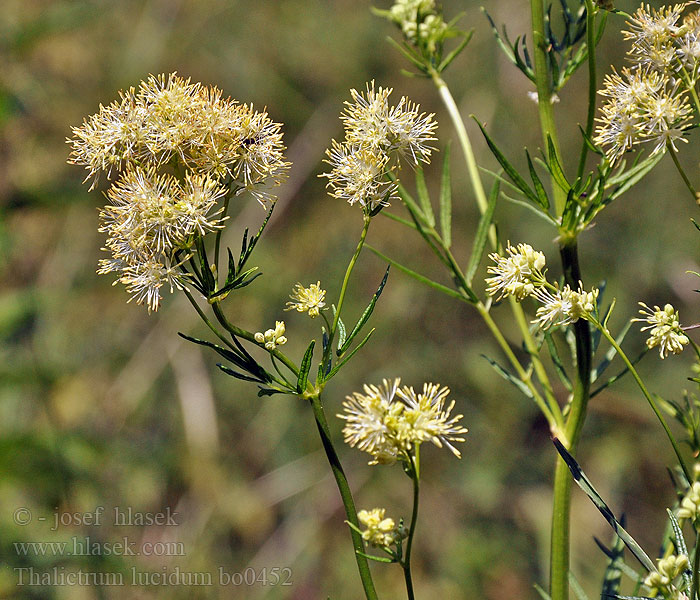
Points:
(648, 396)
(344, 287)
(553, 413)
(346, 496)
(247, 335)
(681, 171)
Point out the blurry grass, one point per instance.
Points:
(101, 404)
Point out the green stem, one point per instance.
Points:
(406, 563)
(648, 396)
(696, 568)
(590, 42)
(466, 145)
(544, 94)
(681, 171)
(525, 377)
(346, 496)
(561, 503)
(344, 287)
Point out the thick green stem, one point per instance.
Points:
(346, 496)
(561, 505)
(544, 93)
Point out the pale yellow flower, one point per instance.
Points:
(309, 299)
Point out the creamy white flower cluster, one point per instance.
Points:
(176, 149)
(376, 134)
(521, 274)
(664, 329)
(388, 421)
(648, 103)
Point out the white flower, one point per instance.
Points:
(664, 329)
(381, 531)
(515, 275)
(308, 299)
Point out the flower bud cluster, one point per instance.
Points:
(660, 582)
(272, 337)
(690, 505)
(381, 531)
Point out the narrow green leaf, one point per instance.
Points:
(446, 200)
(510, 170)
(583, 482)
(556, 360)
(576, 587)
(398, 219)
(695, 223)
(544, 595)
(237, 375)
(537, 182)
(231, 275)
(531, 207)
(638, 173)
(269, 392)
(342, 333)
(482, 233)
(305, 367)
(410, 203)
(418, 277)
(424, 198)
(254, 240)
(555, 167)
(352, 353)
(365, 315)
(508, 376)
(467, 35)
(681, 546)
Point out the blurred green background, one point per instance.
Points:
(104, 405)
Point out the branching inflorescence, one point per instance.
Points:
(176, 152)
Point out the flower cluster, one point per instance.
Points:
(660, 582)
(690, 505)
(517, 274)
(272, 337)
(521, 274)
(387, 422)
(420, 21)
(376, 134)
(664, 329)
(648, 103)
(175, 149)
(381, 531)
(309, 299)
